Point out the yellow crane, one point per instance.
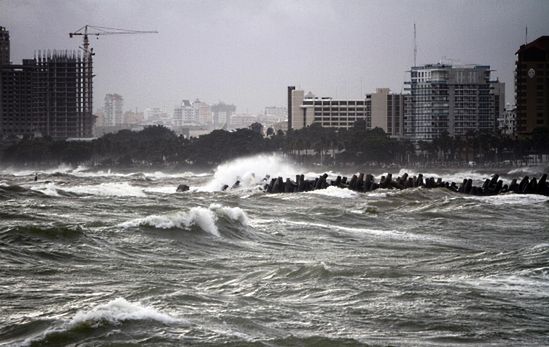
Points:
(91, 30)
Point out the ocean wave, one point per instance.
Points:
(57, 232)
(335, 192)
(119, 310)
(119, 189)
(507, 199)
(390, 234)
(249, 171)
(204, 218)
(113, 313)
(524, 283)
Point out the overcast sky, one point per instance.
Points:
(247, 52)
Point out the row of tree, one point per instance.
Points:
(157, 145)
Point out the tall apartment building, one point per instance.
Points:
(4, 46)
(113, 110)
(453, 99)
(203, 113)
(185, 114)
(44, 95)
(380, 109)
(532, 85)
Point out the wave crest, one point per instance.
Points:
(202, 217)
(118, 310)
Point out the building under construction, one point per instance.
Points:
(46, 95)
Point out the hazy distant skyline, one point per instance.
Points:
(248, 52)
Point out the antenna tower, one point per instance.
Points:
(415, 45)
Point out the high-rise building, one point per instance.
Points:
(4, 46)
(532, 85)
(114, 110)
(381, 109)
(203, 114)
(221, 114)
(387, 111)
(43, 95)
(185, 114)
(452, 99)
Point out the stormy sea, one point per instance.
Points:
(91, 257)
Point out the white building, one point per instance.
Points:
(113, 114)
(453, 99)
(380, 109)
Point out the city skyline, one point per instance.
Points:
(247, 52)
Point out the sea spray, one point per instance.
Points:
(250, 171)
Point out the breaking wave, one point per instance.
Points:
(249, 171)
(118, 310)
(204, 218)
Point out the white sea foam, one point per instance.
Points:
(249, 171)
(391, 234)
(108, 189)
(119, 310)
(119, 189)
(519, 284)
(114, 312)
(204, 218)
(234, 213)
(336, 192)
(49, 189)
(508, 199)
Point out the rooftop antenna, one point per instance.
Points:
(526, 35)
(415, 45)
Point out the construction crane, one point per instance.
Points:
(86, 31)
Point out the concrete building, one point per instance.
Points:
(184, 114)
(113, 110)
(4, 46)
(507, 122)
(380, 109)
(453, 99)
(532, 85)
(221, 114)
(304, 110)
(202, 112)
(387, 111)
(277, 111)
(242, 120)
(44, 95)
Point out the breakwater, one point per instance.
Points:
(366, 182)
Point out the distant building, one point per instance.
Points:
(221, 115)
(157, 116)
(113, 109)
(532, 85)
(4, 46)
(244, 120)
(387, 111)
(304, 110)
(43, 95)
(184, 114)
(203, 113)
(507, 122)
(133, 117)
(277, 111)
(453, 99)
(380, 109)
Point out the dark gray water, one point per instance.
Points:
(92, 258)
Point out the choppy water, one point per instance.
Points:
(92, 258)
